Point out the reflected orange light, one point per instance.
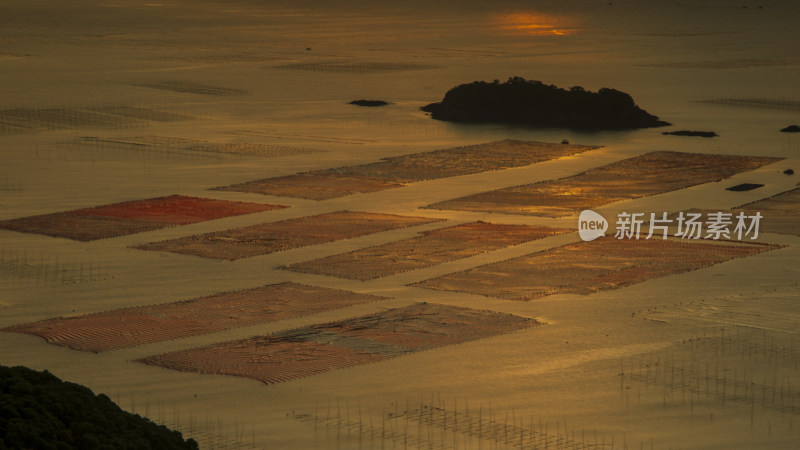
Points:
(537, 24)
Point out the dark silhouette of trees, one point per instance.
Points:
(39, 411)
(520, 101)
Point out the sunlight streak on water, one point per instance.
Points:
(537, 24)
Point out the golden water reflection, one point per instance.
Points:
(538, 24)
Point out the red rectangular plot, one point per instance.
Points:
(284, 235)
(111, 330)
(178, 209)
(120, 219)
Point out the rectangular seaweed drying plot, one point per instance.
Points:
(781, 212)
(586, 267)
(121, 328)
(120, 219)
(430, 248)
(273, 237)
(316, 349)
(396, 171)
(312, 186)
(649, 174)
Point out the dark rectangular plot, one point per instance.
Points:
(649, 174)
(586, 267)
(396, 171)
(430, 248)
(316, 349)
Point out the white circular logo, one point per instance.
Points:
(591, 225)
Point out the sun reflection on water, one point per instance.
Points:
(537, 24)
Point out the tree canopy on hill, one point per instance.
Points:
(39, 411)
(524, 102)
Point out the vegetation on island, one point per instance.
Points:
(524, 102)
(39, 411)
(791, 129)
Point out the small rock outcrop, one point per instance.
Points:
(369, 103)
(707, 134)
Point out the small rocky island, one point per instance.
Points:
(369, 102)
(707, 134)
(525, 102)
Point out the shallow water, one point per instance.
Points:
(281, 74)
